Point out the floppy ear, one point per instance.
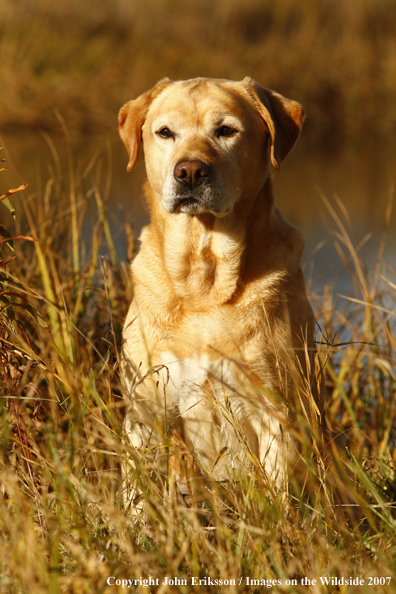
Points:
(283, 117)
(131, 119)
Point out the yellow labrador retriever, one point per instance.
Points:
(219, 335)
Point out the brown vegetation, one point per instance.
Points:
(62, 524)
(85, 59)
(63, 300)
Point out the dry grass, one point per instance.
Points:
(84, 59)
(64, 298)
(62, 524)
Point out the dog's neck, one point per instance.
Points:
(204, 255)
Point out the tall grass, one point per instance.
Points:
(338, 58)
(63, 527)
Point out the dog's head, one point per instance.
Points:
(208, 142)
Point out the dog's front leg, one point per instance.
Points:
(135, 437)
(274, 447)
(152, 416)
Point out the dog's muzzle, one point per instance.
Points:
(191, 192)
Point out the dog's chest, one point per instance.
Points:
(185, 380)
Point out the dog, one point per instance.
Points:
(220, 333)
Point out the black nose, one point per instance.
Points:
(191, 173)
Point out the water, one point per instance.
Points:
(361, 174)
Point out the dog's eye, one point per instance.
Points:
(225, 131)
(165, 133)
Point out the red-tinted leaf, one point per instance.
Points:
(27, 237)
(17, 295)
(13, 191)
(8, 261)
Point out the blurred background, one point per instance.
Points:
(67, 67)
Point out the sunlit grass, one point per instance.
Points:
(63, 527)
